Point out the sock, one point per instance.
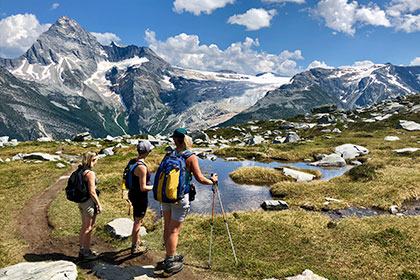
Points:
(133, 245)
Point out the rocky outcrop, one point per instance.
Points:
(64, 270)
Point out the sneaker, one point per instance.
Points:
(161, 265)
(88, 255)
(139, 249)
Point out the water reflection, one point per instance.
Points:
(234, 196)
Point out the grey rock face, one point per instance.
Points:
(292, 137)
(332, 160)
(351, 151)
(40, 270)
(41, 156)
(408, 125)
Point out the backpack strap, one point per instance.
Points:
(130, 174)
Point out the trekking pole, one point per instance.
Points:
(211, 226)
(224, 217)
(163, 230)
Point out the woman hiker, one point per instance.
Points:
(90, 208)
(138, 195)
(175, 213)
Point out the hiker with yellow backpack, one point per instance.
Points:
(172, 187)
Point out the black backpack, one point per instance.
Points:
(128, 173)
(77, 187)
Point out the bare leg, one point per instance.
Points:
(86, 231)
(172, 237)
(136, 230)
(167, 219)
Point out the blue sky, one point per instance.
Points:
(247, 36)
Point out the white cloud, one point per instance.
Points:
(254, 19)
(363, 63)
(341, 16)
(282, 1)
(105, 38)
(415, 62)
(54, 6)
(186, 51)
(198, 6)
(18, 33)
(317, 64)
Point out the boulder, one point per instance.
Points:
(107, 151)
(12, 143)
(406, 150)
(200, 135)
(276, 205)
(44, 139)
(292, 137)
(122, 227)
(41, 156)
(336, 130)
(278, 140)
(391, 138)
(332, 160)
(257, 139)
(408, 125)
(115, 272)
(350, 151)
(306, 275)
(298, 175)
(328, 108)
(85, 136)
(40, 270)
(324, 119)
(415, 109)
(60, 165)
(4, 139)
(393, 209)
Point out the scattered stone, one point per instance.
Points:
(254, 128)
(332, 160)
(60, 165)
(408, 125)
(257, 139)
(325, 119)
(41, 156)
(336, 130)
(115, 272)
(4, 139)
(18, 156)
(327, 130)
(328, 108)
(327, 137)
(40, 270)
(415, 109)
(393, 209)
(199, 135)
(107, 151)
(355, 163)
(85, 136)
(44, 139)
(298, 175)
(12, 143)
(405, 150)
(351, 151)
(7, 160)
(276, 205)
(306, 275)
(122, 227)
(231, 159)
(391, 138)
(329, 199)
(278, 140)
(292, 137)
(119, 145)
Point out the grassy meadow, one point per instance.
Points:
(268, 244)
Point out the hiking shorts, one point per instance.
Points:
(139, 207)
(178, 210)
(88, 208)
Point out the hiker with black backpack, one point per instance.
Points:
(90, 207)
(136, 179)
(175, 212)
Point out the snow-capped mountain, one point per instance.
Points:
(117, 89)
(347, 87)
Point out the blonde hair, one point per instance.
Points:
(88, 159)
(184, 143)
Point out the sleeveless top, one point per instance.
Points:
(135, 190)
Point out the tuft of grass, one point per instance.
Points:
(258, 176)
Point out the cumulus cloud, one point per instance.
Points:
(18, 33)
(363, 63)
(282, 1)
(342, 16)
(254, 19)
(186, 51)
(317, 64)
(415, 62)
(105, 38)
(54, 6)
(403, 15)
(197, 7)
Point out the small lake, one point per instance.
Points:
(236, 197)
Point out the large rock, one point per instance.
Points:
(276, 205)
(408, 125)
(115, 272)
(85, 136)
(306, 275)
(328, 108)
(391, 138)
(4, 139)
(40, 270)
(406, 150)
(41, 156)
(332, 160)
(200, 135)
(122, 227)
(257, 139)
(350, 151)
(298, 175)
(44, 139)
(292, 137)
(107, 151)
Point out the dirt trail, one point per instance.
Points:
(35, 228)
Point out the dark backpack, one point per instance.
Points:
(171, 177)
(129, 173)
(77, 187)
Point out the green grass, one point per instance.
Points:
(258, 176)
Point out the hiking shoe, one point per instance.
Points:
(139, 250)
(171, 267)
(161, 265)
(88, 255)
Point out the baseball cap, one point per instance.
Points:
(144, 146)
(179, 133)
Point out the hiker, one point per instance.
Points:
(90, 208)
(175, 213)
(138, 195)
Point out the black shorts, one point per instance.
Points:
(139, 206)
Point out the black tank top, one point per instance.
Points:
(135, 191)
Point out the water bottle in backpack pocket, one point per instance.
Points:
(171, 179)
